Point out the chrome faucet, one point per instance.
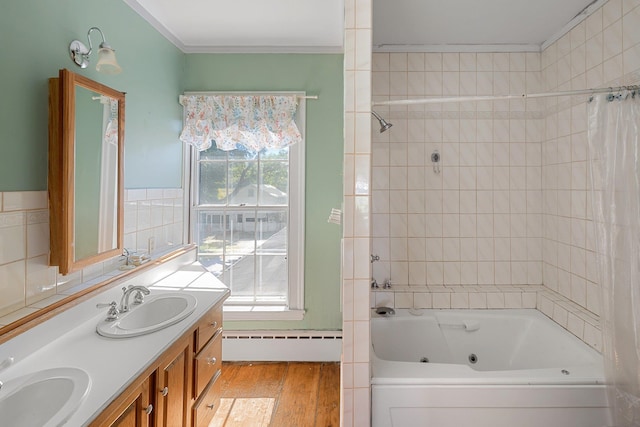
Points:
(113, 312)
(138, 298)
(126, 253)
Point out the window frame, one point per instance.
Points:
(294, 307)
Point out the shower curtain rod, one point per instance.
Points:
(501, 97)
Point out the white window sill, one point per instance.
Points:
(257, 312)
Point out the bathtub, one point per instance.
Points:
(493, 368)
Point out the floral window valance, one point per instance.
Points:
(249, 122)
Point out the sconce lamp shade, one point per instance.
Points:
(107, 62)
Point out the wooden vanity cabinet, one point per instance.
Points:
(173, 385)
(133, 408)
(207, 367)
(180, 388)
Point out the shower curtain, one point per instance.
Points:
(614, 150)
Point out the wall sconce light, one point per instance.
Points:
(106, 55)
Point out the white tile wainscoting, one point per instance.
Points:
(27, 282)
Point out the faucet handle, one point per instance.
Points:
(138, 297)
(113, 312)
(374, 284)
(387, 284)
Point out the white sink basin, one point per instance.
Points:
(156, 313)
(44, 398)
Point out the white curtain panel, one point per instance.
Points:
(613, 122)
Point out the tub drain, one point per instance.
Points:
(424, 360)
(473, 358)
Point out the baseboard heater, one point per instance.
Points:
(272, 346)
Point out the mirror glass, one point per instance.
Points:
(96, 173)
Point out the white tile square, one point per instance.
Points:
(441, 300)
(435, 274)
(477, 300)
(12, 238)
(422, 300)
(486, 274)
(403, 300)
(513, 300)
(418, 273)
(40, 279)
(460, 300)
(37, 239)
(495, 300)
(12, 286)
(469, 273)
(24, 200)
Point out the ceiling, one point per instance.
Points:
(403, 25)
(247, 25)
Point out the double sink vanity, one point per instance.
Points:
(156, 363)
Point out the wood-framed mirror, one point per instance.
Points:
(86, 177)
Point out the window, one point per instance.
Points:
(248, 222)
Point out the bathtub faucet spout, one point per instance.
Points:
(385, 311)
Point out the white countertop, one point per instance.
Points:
(70, 340)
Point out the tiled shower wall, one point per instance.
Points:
(475, 217)
(26, 280)
(602, 51)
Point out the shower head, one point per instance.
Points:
(384, 125)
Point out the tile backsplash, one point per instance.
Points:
(27, 282)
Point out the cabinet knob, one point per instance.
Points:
(165, 391)
(215, 324)
(211, 406)
(149, 409)
(211, 360)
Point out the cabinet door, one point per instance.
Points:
(132, 410)
(173, 398)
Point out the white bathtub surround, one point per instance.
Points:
(488, 367)
(614, 140)
(510, 206)
(27, 282)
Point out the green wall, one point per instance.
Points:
(34, 42)
(320, 75)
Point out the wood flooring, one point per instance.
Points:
(279, 394)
